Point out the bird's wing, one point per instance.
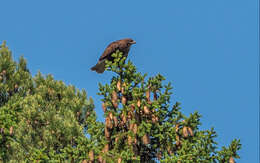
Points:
(110, 49)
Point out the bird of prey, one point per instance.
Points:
(121, 45)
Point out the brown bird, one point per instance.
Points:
(121, 45)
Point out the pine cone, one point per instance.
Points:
(138, 103)
(114, 95)
(123, 88)
(178, 142)
(132, 107)
(106, 148)
(110, 115)
(135, 128)
(129, 140)
(4, 72)
(154, 118)
(118, 86)
(147, 94)
(177, 138)
(129, 115)
(114, 99)
(231, 160)
(124, 100)
(115, 120)
(131, 126)
(124, 118)
(119, 160)
(109, 123)
(190, 131)
(146, 110)
(11, 130)
(91, 155)
(78, 114)
(146, 139)
(135, 140)
(116, 139)
(177, 128)
(107, 133)
(169, 150)
(16, 87)
(100, 160)
(185, 132)
(104, 107)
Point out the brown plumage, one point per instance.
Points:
(121, 45)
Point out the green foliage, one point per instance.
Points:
(15, 81)
(148, 129)
(45, 120)
(40, 118)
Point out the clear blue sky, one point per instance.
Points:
(207, 49)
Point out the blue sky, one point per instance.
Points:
(208, 50)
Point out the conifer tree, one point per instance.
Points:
(41, 119)
(140, 124)
(15, 81)
(44, 120)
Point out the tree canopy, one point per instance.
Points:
(45, 120)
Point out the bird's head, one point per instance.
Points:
(129, 41)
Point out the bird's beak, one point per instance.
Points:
(133, 42)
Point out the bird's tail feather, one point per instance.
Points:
(99, 67)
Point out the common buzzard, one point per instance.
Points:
(121, 45)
